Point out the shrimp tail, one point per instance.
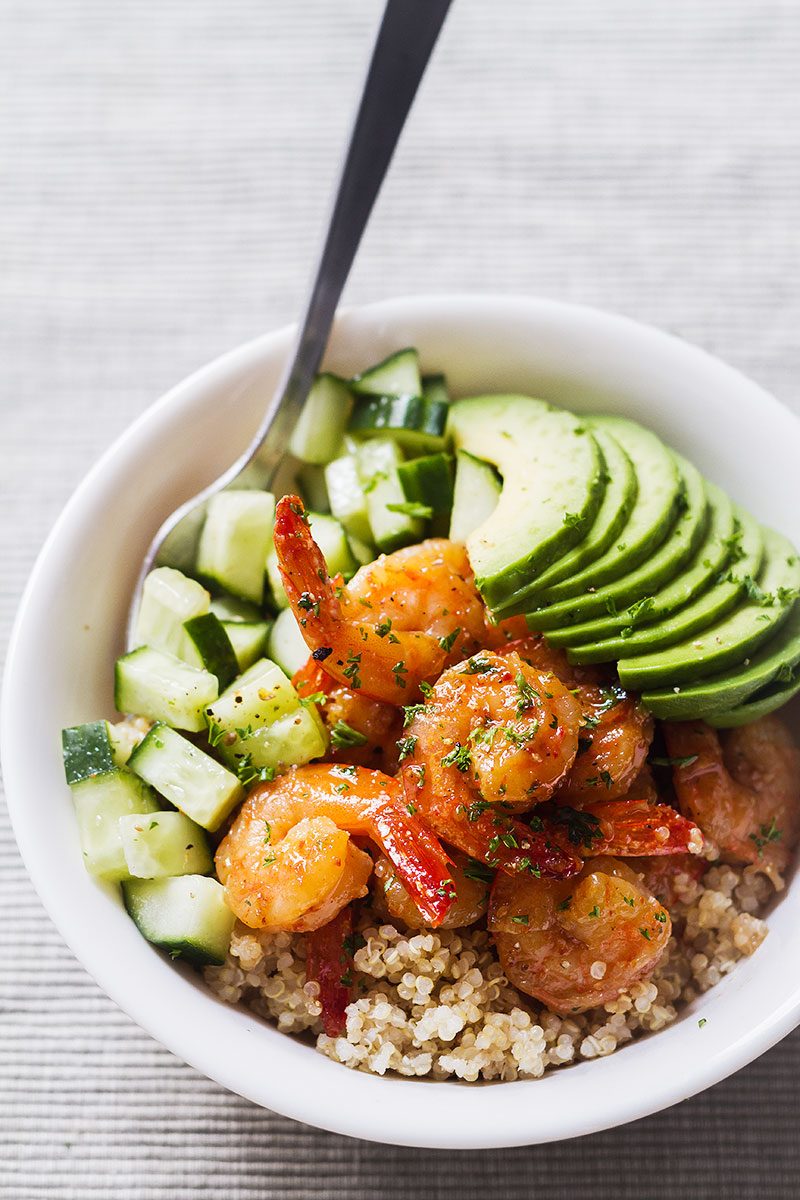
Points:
(309, 588)
(630, 828)
(419, 860)
(329, 961)
(310, 679)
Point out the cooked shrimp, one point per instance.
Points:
(577, 943)
(471, 888)
(616, 730)
(743, 790)
(494, 736)
(363, 731)
(661, 875)
(289, 862)
(398, 622)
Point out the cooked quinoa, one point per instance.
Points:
(436, 1003)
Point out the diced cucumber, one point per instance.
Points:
(377, 462)
(189, 778)
(397, 375)
(475, 495)
(318, 433)
(164, 844)
(211, 647)
(311, 482)
(346, 495)
(170, 598)
(235, 542)
(187, 916)
(363, 552)
(228, 608)
(100, 801)
(416, 424)
(428, 482)
(87, 750)
(332, 541)
(265, 723)
(248, 639)
(287, 646)
(162, 688)
(434, 387)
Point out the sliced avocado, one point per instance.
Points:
(774, 662)
(729, 641)
(635, 588)
(553, 483)
(759, 705)
(606, 638)
(745, 555)
(651, 517)
(618, 500)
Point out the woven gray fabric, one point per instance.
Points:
(166, 168)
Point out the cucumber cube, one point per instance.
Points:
(169, 598)
(156, 685)
(187, 916)
(189, 778)
(287, 645)
(248, 639)
(235, 542)
(377, 462)
(160, 845)
(212, 648)
(346, 496)
(318, 433)
(100, 801)
(87, 750)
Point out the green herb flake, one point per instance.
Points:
(447, 643)
(351, 671)
(411, 508)
(459, 757)
(344, 736)
(522, 919)
(406, 747)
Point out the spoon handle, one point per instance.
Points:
(405, 40)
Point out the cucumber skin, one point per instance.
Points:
(208, 635)
(87, 751)
(411, 421)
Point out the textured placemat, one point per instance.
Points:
(160, 200)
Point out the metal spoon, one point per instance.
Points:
(405, 40)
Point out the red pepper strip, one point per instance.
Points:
(419, 860)
(329, 962)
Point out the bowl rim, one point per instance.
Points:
(313, 1104)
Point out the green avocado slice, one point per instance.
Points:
(729, 641)
(774, 663)
(635, 587)
(759, 705)
(651, 517)
(618, 500)
(553, 483)
(744, 558)
(608, 638)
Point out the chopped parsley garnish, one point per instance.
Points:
(629, 901)
(248, 773)
(400, 671)
(645, 934)
(382, 628)
(411, 808)
(313, 698)
(412, 508)
(477, 666)
(565, 903)
(582, 827)
(459, 757)
(766, 834)
(572, 520)
(478, 871)
(594, 912)
(351, 671)
(661, 917)
(522, 919)
(527, 694)
(215, 732)
(308, 603)
(344, 736)
(447, 643)
(406, 747)
(638, 611)
(410, 711)
(703, 1021)
(425, 688)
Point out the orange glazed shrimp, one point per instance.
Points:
(494, 737)
(398, 622)
(577, 943)
(742, 789)
(289, 862)
(616, 730)
(471, 894)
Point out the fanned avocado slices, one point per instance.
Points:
(553, 481)
(609, 638)
(774, 663)
(651, 517)
(636, 587)
(620, 494)
(745, 559)
(729, 641)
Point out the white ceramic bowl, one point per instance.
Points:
(70, 629)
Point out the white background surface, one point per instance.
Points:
(165, 168)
